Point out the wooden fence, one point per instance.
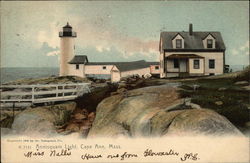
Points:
(42, 93)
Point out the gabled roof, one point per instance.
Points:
(126, 66)
(177, 35)
(191, 42)
(79, 59)
(208, 35)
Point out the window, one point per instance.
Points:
(211, 63)
(77, 67)
(104, 67)
(178, 43)
(157, 67)
(196, 64)
(209, 43)
(176, 63)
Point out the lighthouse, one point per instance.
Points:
(67, 47)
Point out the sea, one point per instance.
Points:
(15, 73)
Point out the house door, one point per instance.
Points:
(183, 65)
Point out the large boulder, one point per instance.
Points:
(156, 111)
(42, 120)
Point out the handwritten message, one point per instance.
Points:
(174, 149)
(42, 148)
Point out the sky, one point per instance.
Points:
(115, 30)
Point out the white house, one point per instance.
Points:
(191, 53)
(78, 65)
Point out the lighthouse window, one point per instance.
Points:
(77, 67)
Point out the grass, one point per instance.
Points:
(222, 96)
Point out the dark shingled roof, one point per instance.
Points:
(126, 66)
(192, 42)
(153, 63)
(79, 59)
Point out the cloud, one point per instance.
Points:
(100, 33)
(113, 55)
(53, 53)
(235, 52)
(99, 48)
(50, 36)
(243, 50)
(245, 46)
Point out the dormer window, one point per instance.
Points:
(209, 43)
(178, 43)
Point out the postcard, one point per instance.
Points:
(125, 81)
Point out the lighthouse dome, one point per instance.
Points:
(67, 26)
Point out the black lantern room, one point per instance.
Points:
(67, 31)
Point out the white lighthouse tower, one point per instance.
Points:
(67, 47)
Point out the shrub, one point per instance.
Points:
(244, 75)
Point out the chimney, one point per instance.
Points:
(190, 29)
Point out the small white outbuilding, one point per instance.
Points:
(80, 66)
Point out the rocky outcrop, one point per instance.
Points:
(156, 111)
(241, 83)
(81, 121)
(42, 120)
(97, 93)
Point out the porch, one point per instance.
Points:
(184, 65)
